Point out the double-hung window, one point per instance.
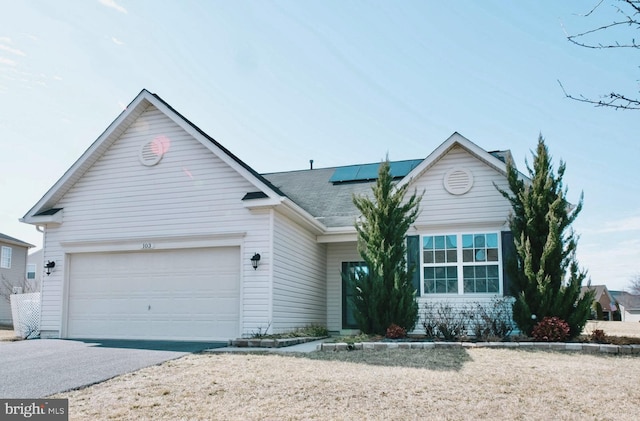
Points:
(461, 263)
(5, 257)
(31, 271)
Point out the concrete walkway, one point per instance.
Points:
(305, 347)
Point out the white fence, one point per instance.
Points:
(25, 310)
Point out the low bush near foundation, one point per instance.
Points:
(485, 321)
(551, 329)
(598, 336)
(444, 320)
(396, 332)
(309, 331)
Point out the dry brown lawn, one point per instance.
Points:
(631, 329)
(456, 384)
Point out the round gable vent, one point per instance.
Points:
(458, 181)
(151, 152)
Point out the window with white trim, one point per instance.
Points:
(31, 271)
(5, 257)
(467, 263)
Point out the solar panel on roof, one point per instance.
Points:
(344, 174)
(402, 168)
(366, 172)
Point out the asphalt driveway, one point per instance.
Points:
(41, 367)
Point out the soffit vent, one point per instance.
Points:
(458, 181)
(151, 152)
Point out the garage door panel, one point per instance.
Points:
(189, 294)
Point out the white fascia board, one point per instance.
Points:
(339, 235)
(266, 202)
(89, 157)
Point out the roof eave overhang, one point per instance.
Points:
(48, 220)
(288, 208)
(339, 235)
(16, 243)
(264, 203)
(298, 214)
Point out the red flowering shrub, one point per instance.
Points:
(551, 329)
(395, 332)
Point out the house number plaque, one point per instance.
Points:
(147, 246)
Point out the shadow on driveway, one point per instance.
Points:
(190, 347)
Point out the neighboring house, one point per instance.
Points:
(156, 229)
(604, 297)
(13, 266)
(629, 305)
(35, 269)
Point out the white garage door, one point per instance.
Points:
(186, 294)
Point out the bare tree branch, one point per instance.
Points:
(631, 20)
(612, 100)
(634, 284)
(592, 9)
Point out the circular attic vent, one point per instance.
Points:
(458, 181)
(151, 152)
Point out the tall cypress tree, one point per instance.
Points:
(546, 278)
(384, 294)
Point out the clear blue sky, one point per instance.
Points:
(340, 82)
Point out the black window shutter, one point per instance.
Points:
(413, 260)
(508, 259)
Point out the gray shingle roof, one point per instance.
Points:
(6, 239)
(630, 301)
(331, 204)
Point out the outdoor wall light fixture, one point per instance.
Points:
(254, 260)
(49, 266)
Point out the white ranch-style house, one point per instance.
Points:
(159, 232)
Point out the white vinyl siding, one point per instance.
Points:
(481, 205)
(299, 283)
(190, 192)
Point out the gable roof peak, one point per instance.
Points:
(136, 107)
(456, 139)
